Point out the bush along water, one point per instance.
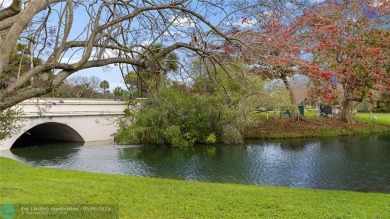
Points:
(216, 108)
(182, 118)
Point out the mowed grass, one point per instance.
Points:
(139, 197)
(271, 126)
(374, 118)
(370, 118)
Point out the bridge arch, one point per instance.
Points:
(48, 131)
(86, 120)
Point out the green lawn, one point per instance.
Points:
(139, 197)
(371, 118)
(376, 118)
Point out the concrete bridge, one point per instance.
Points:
(76, 120)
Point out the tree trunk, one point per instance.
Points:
(347, 112)
(292, 97)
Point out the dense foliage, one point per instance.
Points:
(342, 46)
(214, 109)
(9, 122)
(349, 43)
(20, 60)
(181, 119)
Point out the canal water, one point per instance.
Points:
(359, 163)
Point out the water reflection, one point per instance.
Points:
(358, 163)
(47, 154)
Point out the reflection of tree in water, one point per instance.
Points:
(384, 137)
(296, 144)
(316, 163)
(201, 162)
(367, 147)
(155, 154)
(44, 154)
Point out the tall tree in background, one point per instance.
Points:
(272, 55)
(104, 85)
(78, 87)
(268, 43)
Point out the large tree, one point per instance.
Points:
(266, 41)
(341, 45)
(72, 35)
(349, 46)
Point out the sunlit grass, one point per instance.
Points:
(139, 197)
(375, 118)
(277, 128)
(371, 118)
(276, 115)
(311, 114)
(267, 115)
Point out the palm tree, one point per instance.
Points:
(159, 67)
(105, 86)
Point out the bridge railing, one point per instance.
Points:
(66, 107)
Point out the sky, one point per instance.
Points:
(5, 3)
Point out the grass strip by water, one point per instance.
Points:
(271, 127)
(139, 197)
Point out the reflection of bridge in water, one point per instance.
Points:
(74, 120)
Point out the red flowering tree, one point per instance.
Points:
(270, 47)
(347, 43)
(341, 45)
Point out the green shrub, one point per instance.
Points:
(125, 135)
(182, 118)
(212, 109)
(211, 139)
(231, 135)
(10, 122)
(174, 137)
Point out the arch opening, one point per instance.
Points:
(47, 133)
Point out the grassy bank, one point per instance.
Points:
(374, 118)
(272, 127)
(139, 197)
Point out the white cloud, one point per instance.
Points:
(182, 21)
(245, 23)
(68, 60)
(378, 3)
(5, 3)
(147, 42)
(111, 53)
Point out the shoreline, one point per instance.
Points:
(290, 128)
